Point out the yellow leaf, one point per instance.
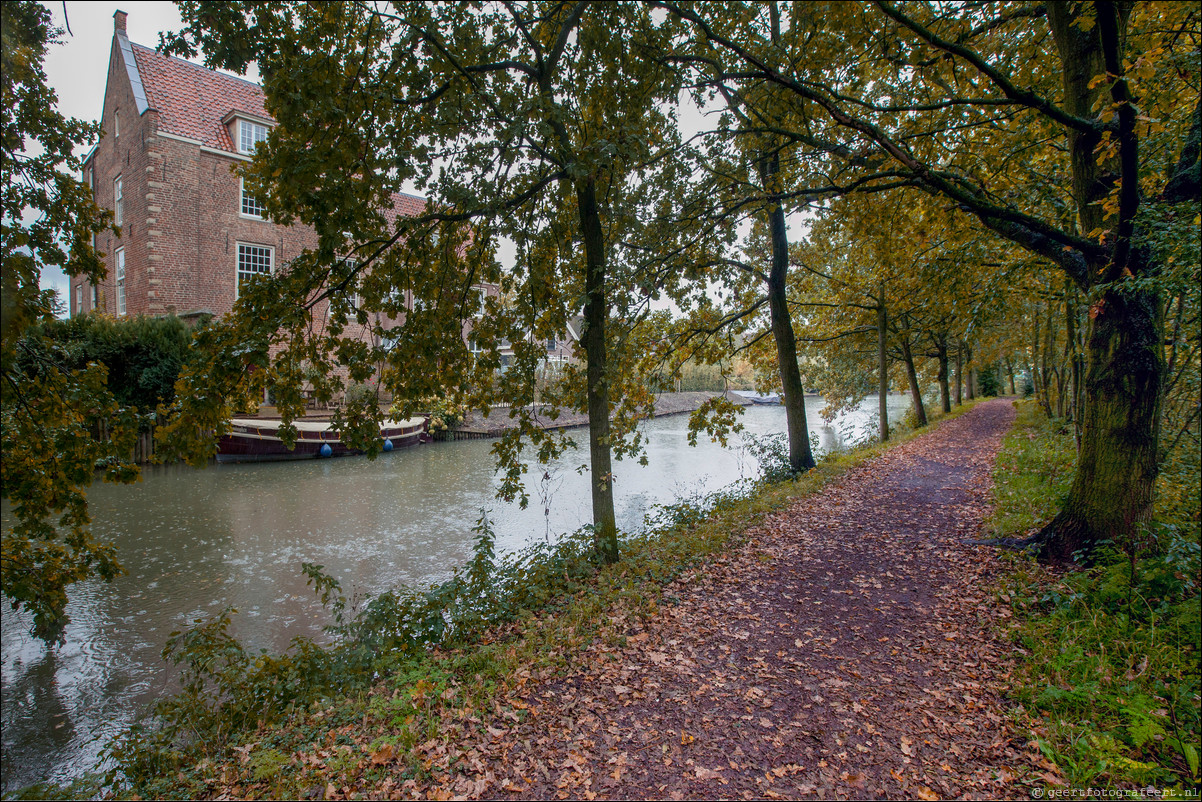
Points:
(926, 793)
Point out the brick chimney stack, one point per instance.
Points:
(119, 18)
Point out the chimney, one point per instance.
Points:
(119, 18)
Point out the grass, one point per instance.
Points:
(1109, 679)
(287, 726)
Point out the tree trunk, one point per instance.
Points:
(945, 398)
(972, 372)
(920, 412)
(793, 393)
(1111, 495)
(1076, 362)
(1010, 373)
(959, 369)
(882, 358)
(596, 310)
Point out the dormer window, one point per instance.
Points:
(250, 134)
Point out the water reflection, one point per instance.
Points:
(196, 541)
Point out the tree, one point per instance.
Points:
(47, 408)
(532, 122)
(1080, 85)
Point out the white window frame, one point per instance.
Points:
(119, 255)
(116, 123)
(483, 292)
(239, 272)
(95, 295)
(249, 131)
(245, 199)
(354, 296)
(79, 299)
(90, 176)
(118, 202)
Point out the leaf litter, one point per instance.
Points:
(850, 648)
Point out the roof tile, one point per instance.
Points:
(192, 101)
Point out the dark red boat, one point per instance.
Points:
(252, 440)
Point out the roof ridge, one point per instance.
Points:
(411, 196)
(196, 66)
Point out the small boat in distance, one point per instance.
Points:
(758, 398)
(255, 440)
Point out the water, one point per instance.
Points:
(196, 541)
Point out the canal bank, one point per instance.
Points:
(500, 420)
(421, 727)
(195, 542)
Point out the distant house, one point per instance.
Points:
(191, 235)
(559, 350)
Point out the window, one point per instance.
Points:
(551, 344)
(78, 299)
(354, 297)
(116, 124)
(118, 202)
(90, 178)
(483, 293)
(95, 298)
(250, 205)
(253, 261)
(249, 135)
(120, 281)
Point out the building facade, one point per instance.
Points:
(174, 132)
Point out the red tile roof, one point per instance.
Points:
(192, 100)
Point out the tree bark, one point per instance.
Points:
(793, 392)
(596, 310)
(882, 357)
(959, 371)
(945, 398)
(972, 373)
(920, 412)
(1076, 362)
(1111, 495)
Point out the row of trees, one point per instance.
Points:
(984, 182)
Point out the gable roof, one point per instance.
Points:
(192, 100)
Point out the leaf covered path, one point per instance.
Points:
(847, 650)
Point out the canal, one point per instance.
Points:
(196, 541)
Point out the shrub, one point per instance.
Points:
(143, 355)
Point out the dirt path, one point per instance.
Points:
(846, 651)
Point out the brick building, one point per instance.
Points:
(190, 234)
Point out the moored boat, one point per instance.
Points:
(254, 440)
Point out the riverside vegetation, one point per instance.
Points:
(400, 662)
(1107, 686)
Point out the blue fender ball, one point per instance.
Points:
(326, 450)
(387, 445)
